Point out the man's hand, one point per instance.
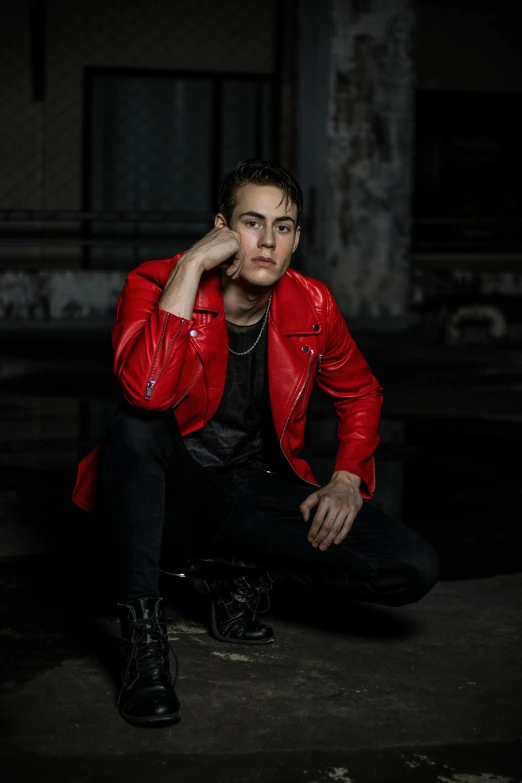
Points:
(220, 247)
(338, 503)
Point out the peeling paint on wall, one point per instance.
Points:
(51, 296)
(369, 155)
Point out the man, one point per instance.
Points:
(216, 351)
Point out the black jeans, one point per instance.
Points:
(158, 497)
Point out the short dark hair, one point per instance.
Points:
(259, 172)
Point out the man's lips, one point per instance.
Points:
(264, 261)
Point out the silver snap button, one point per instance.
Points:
(193, 333)
(305, 349)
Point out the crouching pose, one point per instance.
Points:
(216, 352)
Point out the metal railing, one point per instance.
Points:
(110, 239)
(480, 235)
(83, 231)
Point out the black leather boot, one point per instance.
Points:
(147, 693)
(235, 604)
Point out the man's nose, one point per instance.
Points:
(267, 238)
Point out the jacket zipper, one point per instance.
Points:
(152, 381)
(318, 362)
(303, 387)
(189, 388)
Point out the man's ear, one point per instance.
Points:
(297, 238)
(219, 221)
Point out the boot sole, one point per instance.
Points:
(213, 625)
(153, 721)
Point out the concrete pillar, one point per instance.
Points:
(356, 148)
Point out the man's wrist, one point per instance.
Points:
(180, 292)
(192, 261)
(340, 475)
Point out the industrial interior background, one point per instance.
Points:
(402, 121)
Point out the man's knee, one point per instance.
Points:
(413, 575)
(421, 573)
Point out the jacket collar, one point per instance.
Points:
(291, 311)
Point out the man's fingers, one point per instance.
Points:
(343, 532)
(347, 526)
(233, 270)
(234, 266)
(332, 519)
(321, 521)
(335, 530)
(308, 504)
(239, 260)
(330, 529)
(319, 517)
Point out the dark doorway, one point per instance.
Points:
(161, 141)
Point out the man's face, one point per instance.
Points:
(268, 231)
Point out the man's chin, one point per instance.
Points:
(262, 277)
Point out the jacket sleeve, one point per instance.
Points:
(346, 377)
(150, 345)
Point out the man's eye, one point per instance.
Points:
(252, 223)
(284, 229)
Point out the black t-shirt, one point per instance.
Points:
(241, 432)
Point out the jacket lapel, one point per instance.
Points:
(211, 338)
(292, 346)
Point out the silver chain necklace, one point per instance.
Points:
(244, 353)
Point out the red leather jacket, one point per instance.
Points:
(164, 361)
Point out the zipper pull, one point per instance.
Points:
(319, 360)
(149, 389)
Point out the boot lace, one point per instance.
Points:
(148, 645)
(148, 650)
(251, 593)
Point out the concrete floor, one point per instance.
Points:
(430, 692)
